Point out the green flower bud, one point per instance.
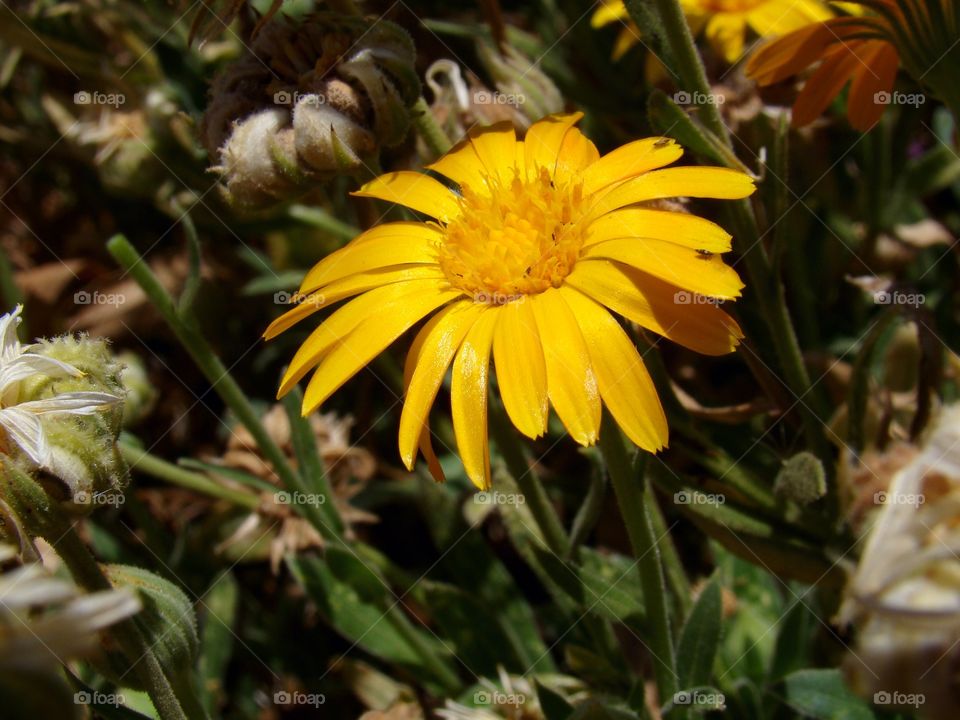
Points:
(167, 620)
(520, 82)
(801, 479)
(140, 393)
(83, 455)
(311, 100)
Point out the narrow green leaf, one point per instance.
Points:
(700, 638)
(822, 695)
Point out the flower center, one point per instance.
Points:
(520, 239)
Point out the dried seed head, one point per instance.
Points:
(312, 100)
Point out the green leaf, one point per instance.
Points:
(794, 639)
(670, 119)
(352, 606)
(216, 640)
(607, 585)
(481, 646)
(822, 694)
(700, 638)
(553, 705)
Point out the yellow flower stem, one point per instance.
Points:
(528, 483)
(42, 517)
(325, 518)
(429, 129)
(633, 497)
(168, 472)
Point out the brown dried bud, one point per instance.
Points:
(311, 100)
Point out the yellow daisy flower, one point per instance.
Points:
(723, 22)
(531, 245)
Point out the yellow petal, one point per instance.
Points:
(725, 33)
(369, 338)
(521, 372)
(468, 398)
(630, 160)
(462, 165)
(577, 153)
(348, 287)
(541, 144)
(426, 365)
(497, 148)
(625, 384)
(608, 12)
(657, 306)
(690, 231)
(414, 190)
(782, 18)
(340, 324)
(699, 182)
(399, 243)
(571, 384)
(704, 274)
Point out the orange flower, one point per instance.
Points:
(865, 49)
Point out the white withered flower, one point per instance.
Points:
(20, 420)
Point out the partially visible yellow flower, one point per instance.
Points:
(723, 22)
(848, 50)
(525, 260)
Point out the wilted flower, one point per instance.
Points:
(904, 598)
(724, 24)
(311, 100)
(42, 392)
(46, 621)
(542, 238)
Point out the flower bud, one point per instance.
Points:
(167, 620)
(81, 441)
(311, 100)
(520, 82)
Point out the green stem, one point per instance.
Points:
(633, 497)
(689, 67)
(162, 470)
(9, 291)
(672, 566)
(528, 483)
(44, 518)
(429, 129)
(322, 220)
(325, 518)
